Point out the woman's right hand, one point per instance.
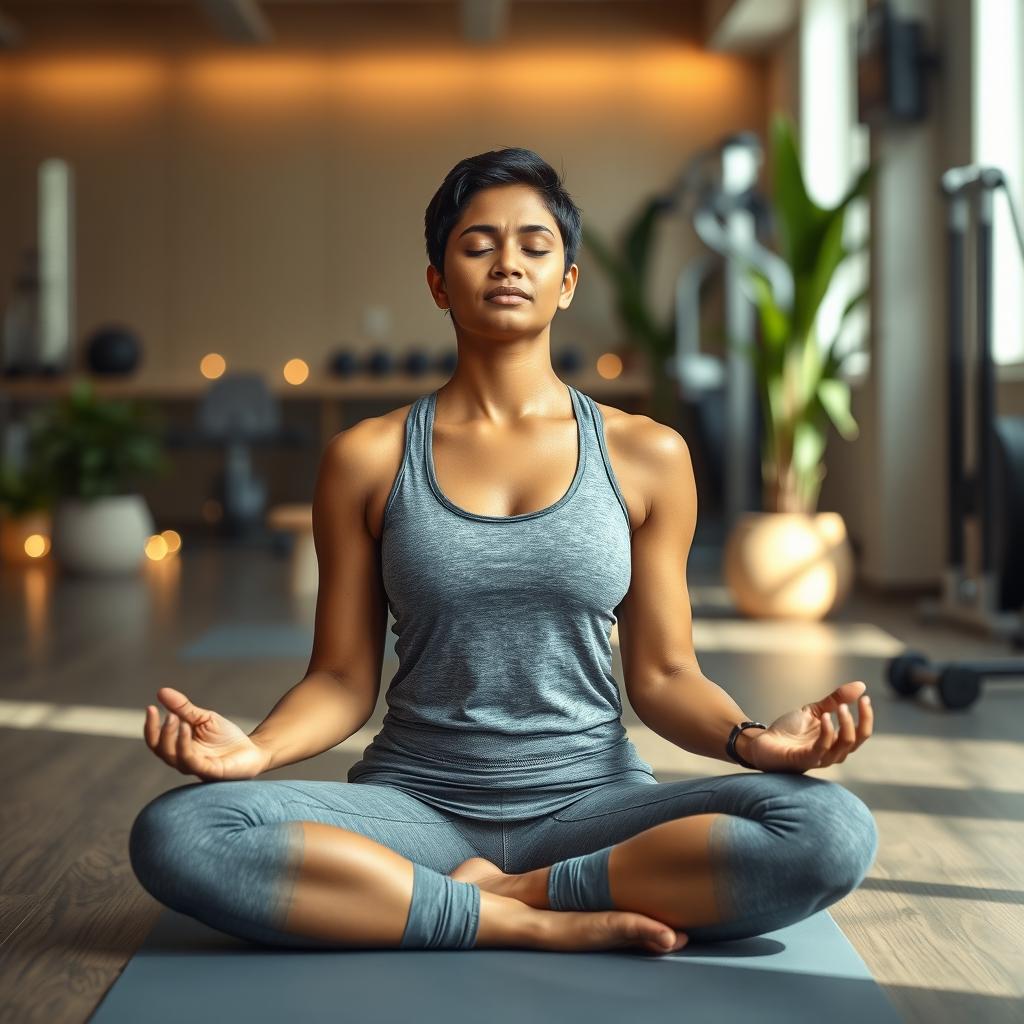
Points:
(201, 742)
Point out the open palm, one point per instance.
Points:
(806, 738)
(198, 741)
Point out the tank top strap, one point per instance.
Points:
(600, 464)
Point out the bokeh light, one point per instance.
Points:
(156, 547)
(212, 365)
(173, 539)
(296, 371)
(609, 365)
(36, 545)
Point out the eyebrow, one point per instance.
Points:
(490, 229)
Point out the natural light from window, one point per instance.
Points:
(998, 118)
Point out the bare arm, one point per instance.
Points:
(340, 688)
(665, 684)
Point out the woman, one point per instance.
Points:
(508, 521)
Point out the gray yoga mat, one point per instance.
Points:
(185, 971)
(252, 640)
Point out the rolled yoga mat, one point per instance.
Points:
(185, 971)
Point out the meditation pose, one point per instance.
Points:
(508, 521)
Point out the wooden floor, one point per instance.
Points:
(939, 919)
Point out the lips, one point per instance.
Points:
(506, 291)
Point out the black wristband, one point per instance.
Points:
(730, 746)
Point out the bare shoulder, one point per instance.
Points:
(368, 454)
(644, 452)
(642, 436)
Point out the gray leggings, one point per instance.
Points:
(227, 853)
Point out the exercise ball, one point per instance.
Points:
(112, 349)
(789, 565)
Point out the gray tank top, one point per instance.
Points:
(502, 630)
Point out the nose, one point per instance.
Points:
(506, 261)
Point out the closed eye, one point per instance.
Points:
(532, 252)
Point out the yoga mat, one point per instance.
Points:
(259, 640)
(185, 971)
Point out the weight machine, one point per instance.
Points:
(980, 597)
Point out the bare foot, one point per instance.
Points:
(606, 929)
(577, 929)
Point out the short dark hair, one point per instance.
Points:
(509, 166)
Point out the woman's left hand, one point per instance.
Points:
(806, 738)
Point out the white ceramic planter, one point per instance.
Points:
(103, 536)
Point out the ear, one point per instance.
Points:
(435, 282)
(568, 287)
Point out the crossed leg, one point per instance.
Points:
(720, 858)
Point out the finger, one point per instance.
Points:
(174, 700)
(847, 727)
(867, 721)
(825, 736)
(847, 734)
(841, 695)
(151, 727)
(183, 749)
(833, 748)
(168, 740)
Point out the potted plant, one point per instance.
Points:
(791, 561)
(25, 500)
(92, 450)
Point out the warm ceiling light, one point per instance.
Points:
(295, 371)
(212, 365)
(609, 366)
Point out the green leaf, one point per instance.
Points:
(834, 396)
(808, 446)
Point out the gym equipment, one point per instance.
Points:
(112, 350)
(447, 361)
(781, 977)
(237, 411)
(728, 215)
(975, 596)
(343, 362)
(381, 362)
(416, 362)
(979, 597)
(958, 683)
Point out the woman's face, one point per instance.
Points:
(506, 237)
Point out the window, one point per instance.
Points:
(834, 149)
(998, 140)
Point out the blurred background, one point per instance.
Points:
(802, 250)
(197, 190)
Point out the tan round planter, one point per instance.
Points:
(789, 565)
(15, 530)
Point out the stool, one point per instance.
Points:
(304, 576)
